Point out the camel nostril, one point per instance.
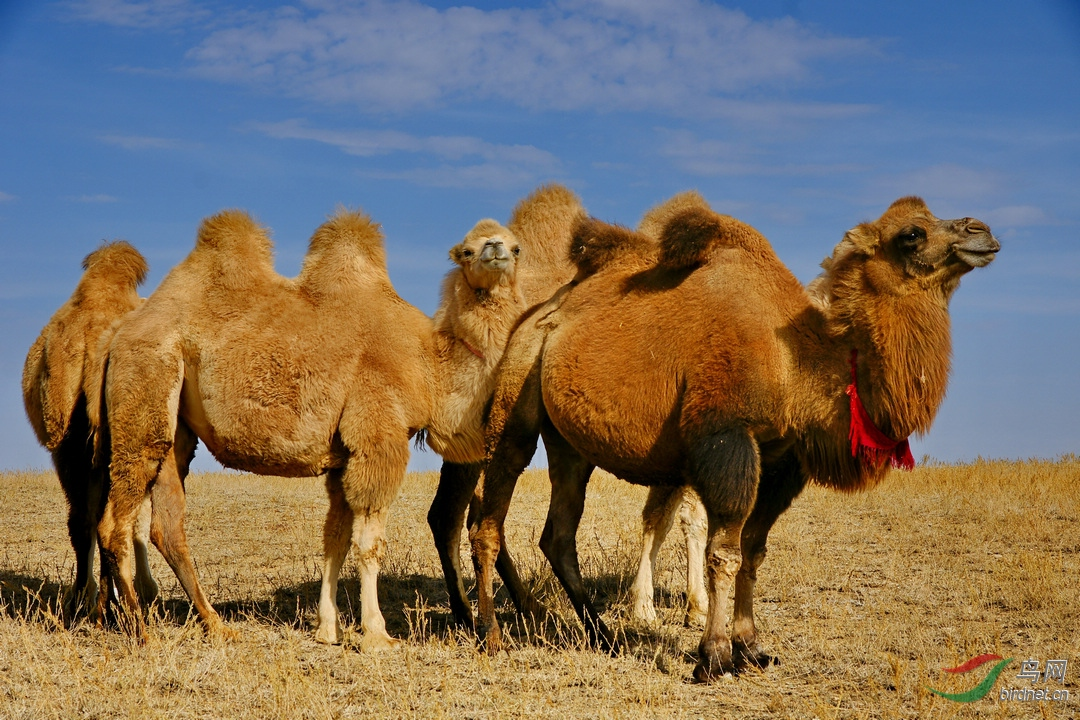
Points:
(975, 227)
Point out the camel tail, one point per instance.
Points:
(596, 244)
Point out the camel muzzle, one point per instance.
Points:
(494, 253)
(978, 250)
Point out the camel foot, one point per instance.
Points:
(218, 631)
(644, 611)
(600, 637)
(79, 602)
(694, 618)
(715, 661)
(378, 641)
(489, 639)
(751, 656)
(147, 590)
(328, 633)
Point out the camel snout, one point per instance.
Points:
(980, 247)
(494, 251)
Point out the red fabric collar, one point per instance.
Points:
(471, 349)
(867, 441)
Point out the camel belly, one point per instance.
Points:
(625, 426)
(245, 434)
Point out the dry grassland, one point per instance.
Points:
(865, 598)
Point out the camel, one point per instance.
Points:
(328, 373)
(733, 379)
(61, 385)
(543, 222)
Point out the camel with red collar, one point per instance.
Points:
(732, 378)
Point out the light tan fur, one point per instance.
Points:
(738, 389)
(61, 386)
(328, 373)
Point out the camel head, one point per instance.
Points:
(487, 257)
(907, 250)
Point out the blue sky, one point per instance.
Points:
(135, 120)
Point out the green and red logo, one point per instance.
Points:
(979, 691)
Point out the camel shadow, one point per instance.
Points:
(25, 596)
(414, 607)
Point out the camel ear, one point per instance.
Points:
(861, 239)
(458, 254)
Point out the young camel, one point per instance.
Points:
(543, 222)
(748, 385)
(61, 387)
(328, 373)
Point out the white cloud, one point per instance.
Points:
(367, 143)
(500, 166)
(144, 14)
(1012, 216)
(946, 182)
(5, 197)
(683, 56)
(718, 157)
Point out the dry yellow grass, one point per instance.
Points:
(865, 598)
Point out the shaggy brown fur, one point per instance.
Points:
(328, 373)
(61, 387)
(542, 224)
(739, 391)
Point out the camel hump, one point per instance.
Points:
(543, 222)
(348, 246)
(691, 236)
(116, 263)
(234, 232)
(596, 244)
(654, 221)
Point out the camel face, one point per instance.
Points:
(909, 248)
(488, 255)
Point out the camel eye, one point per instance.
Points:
(909, 238)
(517, 251)
(467, 253)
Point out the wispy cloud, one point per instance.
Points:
(499, 166)
(100, 198)
(709, 157)
(142, 142)
(5, 197)
(682, 56)
(138, 13)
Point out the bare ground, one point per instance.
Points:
(865, 598)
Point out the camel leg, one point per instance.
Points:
(446, 518)
(167, 528)
(781, 483)
(569, 473)
(513, 431)
(84, 490)
(129, 486)
(337, 536)
(657, 517)
(724, 468)
(145, 585)
(695, 527)
(367, 485)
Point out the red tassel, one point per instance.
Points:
(867, 440)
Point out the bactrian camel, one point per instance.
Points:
(543, 223)
(61, 387)
(330, 372)
(732, 378)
